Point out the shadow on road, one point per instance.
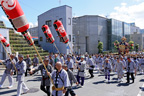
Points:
(6, 92)
(99, 82)
(123, 84)
(142, 80)
(35, 79)
(142, 88)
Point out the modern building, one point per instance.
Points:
(88, 30)
(115, 32)
(138, 38)
(33, 31)
(142, 31)
(5, 34)
(63, 13)
(117, 29)
(134, 28)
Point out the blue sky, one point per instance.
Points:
(113, 8)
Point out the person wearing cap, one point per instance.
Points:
(142, 64)
(90, 62)
(8, 72)
(45, 82)
(21, 69)
(72, 79)
(28, 62)
(119, 66)
(81, 71)
(56, 59)
(61, 59)
(136, 62)
(51, 60)
(107, 69)
(100, 61)
(35, 61)
(130, 68)
(69, 63)
(97, 60)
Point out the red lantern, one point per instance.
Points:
(61, 31)
(15, 14)
(48, 33)
(4, 41)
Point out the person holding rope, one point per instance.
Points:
(45, 82)
(60, 79)
(8, 72)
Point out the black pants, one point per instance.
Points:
(70, 91)
(27, 71)
(91, 72)
(132, 76)
(45, 89)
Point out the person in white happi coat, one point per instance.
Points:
(21, 69)
(131, 69)
(81, 71)
(142, 64)
(100, 63)
(91, 66)
(107, 69)
(8, 72)
(96, 61)
(60, 79)
(62, 59)
(120, 67)
(70, 63)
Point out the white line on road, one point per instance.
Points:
(140, 92)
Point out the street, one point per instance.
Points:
(93, 87)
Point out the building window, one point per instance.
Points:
(69, 21)
(41, 38)
(138, 38)
(69, 38)
(49, 23)
(61, 20)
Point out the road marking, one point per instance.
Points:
(140, 92)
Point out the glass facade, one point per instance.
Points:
(115, 32)
(126, 30)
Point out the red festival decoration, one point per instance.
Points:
(48, 34)
(4, 41)
(60, 31)
(17, 18)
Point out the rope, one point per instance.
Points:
(9, 56)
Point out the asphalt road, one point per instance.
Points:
(93, 87)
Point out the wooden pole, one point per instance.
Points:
(9, 56)
(70, 48)
(3, 64)
(56, 48)
(40, 58)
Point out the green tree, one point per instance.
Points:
(131, 45)
(100, 47)
(136, 47)
(116, 43)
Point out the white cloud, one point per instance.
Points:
(134, 13)
(4, 18)
(33, 24)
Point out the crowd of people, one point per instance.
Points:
(60, 71)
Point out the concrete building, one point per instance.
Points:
(138, 38)
(33, 31)
(142, 31)
(87, 31)
(63, 13)
(134, 28)
(5, 34)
